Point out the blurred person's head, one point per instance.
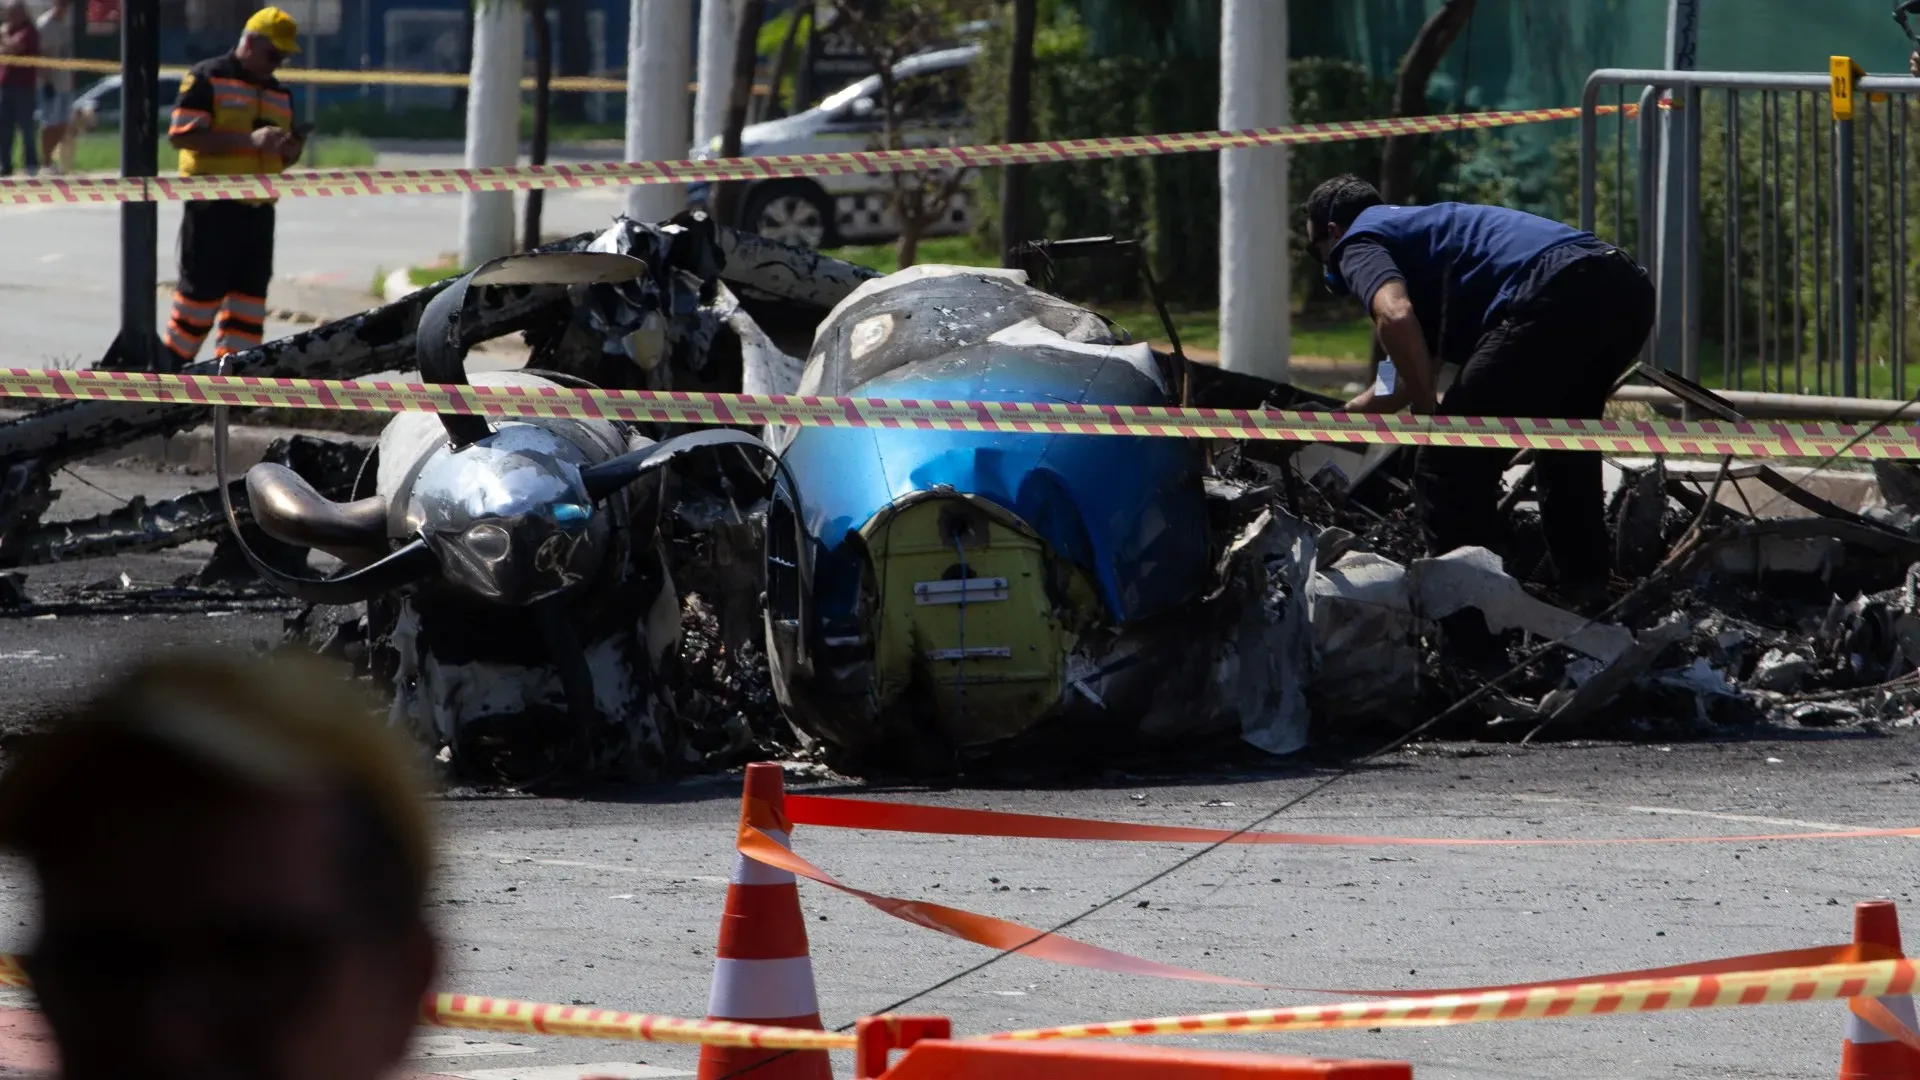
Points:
(270, 37)
(232, 858)
(1332, 208)
(14, 14)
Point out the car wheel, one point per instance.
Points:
(798, 215)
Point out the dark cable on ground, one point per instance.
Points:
(1658, 577)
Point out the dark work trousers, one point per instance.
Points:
(16, 114)
(1556, 354)
(226, 261)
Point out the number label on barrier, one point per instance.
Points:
(1844, 73)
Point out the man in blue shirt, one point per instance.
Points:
(1542, 319)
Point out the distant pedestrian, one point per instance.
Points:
(18, 83)
(56, 86)
(233, 118)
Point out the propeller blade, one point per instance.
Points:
(610, 476)
(441, 351)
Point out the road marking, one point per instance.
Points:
(1674, 811)
(614, 1070)
(446, 1046)
(511, 858)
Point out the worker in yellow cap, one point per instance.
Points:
(233, 118)
(232, 858)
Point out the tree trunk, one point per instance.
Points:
(783, 65)
(542, 106)
(493, 128)
(1423, 58)
(1255, 293)
(713, 69)
(659, 66)
(1013, 178)
(726, 197)
(908, 250)
(576, 58)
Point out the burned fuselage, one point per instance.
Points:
(960, 593)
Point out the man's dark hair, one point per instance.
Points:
(1337, 202)
(380, 884)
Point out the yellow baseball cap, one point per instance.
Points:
(276, 26)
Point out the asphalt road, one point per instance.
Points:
(614, 900)
(60, 283)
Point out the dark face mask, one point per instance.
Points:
(1329, 277)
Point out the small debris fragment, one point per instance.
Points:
(1782, 671)
(1821, 714)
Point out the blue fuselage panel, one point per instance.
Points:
(1128, 510)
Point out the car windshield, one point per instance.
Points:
(849, 93)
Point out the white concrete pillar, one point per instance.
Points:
(718, 18)
(659, 66)
(493, 126)
(1255, 302)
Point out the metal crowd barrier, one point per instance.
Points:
(1804, 179)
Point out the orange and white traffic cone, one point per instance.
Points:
(762, 973)
(1868, 1053)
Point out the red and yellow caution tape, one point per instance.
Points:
(348, 182)
(532, 1018)
(1827, 982)
(1713, 438)
(370, 77)
(471, 1013)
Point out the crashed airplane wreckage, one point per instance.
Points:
(545, 598)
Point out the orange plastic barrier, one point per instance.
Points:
(762, 968)
(1880, 1043)
(931, 1055)
(1004, 934)
(834, 813)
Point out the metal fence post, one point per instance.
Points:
(1845, 288)
(1648, 195)
(139, 156)
(1589, 156)
(1693, 240)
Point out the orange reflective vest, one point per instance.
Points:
(220, 95)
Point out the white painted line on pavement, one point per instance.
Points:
(446, 1046)
(511, 858)
(619, 1070)
(1674, 811)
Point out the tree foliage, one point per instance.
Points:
(887, 34)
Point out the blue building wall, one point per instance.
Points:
(415, 35)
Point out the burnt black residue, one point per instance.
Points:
(360, 345)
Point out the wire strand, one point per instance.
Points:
(1648, 583)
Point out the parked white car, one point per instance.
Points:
(823, 211)
(99, 105)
